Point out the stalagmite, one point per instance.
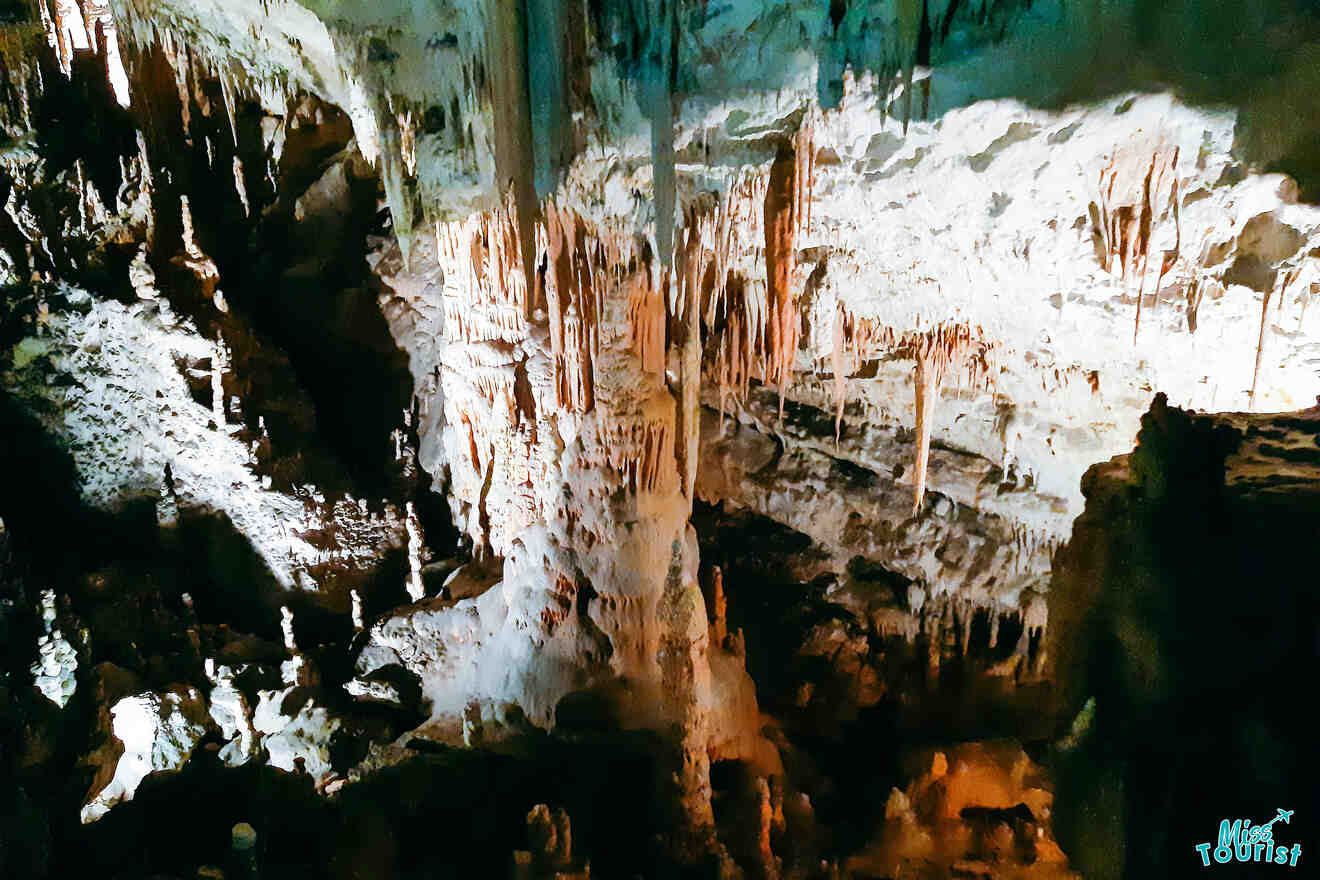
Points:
(219, 364)
(55, 667)
(286, 627)
(718, 607)
(414, 527)
(356, 600)
(141, 276)
(240, 186)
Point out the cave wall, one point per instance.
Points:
(385, 353)
(1189, 712)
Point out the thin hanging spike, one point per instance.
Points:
(907, 97)
(926, 388)
(1260, 347)
(1288, 276)
(883, 80)
(910, 13)
(1142, 250)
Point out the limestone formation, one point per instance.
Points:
(158, 733)
(54, 672)
(423, 421)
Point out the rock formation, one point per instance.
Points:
(1127, 597)
(423, 422)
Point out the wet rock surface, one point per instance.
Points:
(648, 439)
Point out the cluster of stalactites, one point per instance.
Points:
(488, 298)
(1031, 542)
(738, 302)
(948, 625)
(20, 79)
(640, 448)
(485, 288)
(761, 320)
(191, 69)
(660, 307)
(647, 319)
(88, 26)
(1134, 193)
(573, 270)
(939, 352)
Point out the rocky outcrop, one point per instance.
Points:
(139, 434)
(977, 810)
(550, 836)
(413, 391)
(156, 733)
(1142, 647)
(853, 508)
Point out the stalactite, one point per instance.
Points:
(927, 387)
(1285, 279)
(227, 93)
(1129, 207)
(176, 53)
(909, 24)
(946, 348)
(21, 77)
(515, 164)
(407, 140)
(782, 327)
(1161, 165)
(840, 378)
(853, 340)
(788, 194)
(572, 279)
(1170, 257)
(397, 191)
(695, 271)
(646, 317)
(556, 49)
(485, 292)
(743, 343)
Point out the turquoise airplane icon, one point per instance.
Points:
(1285, 815)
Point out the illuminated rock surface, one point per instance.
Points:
(423, 422)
